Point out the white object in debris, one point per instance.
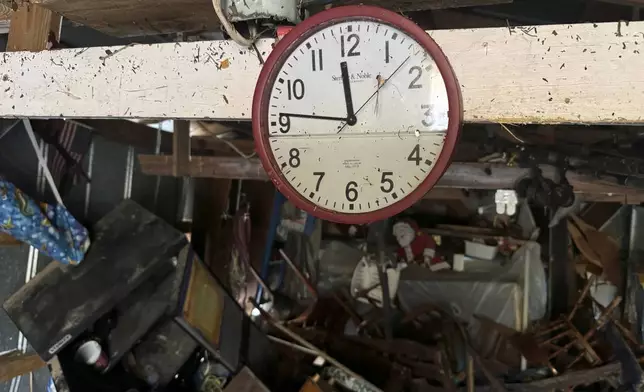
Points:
(458, 263)
(480, 251)
(365, 277)
(506, 201)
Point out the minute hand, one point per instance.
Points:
(313, 116)
(377, 90)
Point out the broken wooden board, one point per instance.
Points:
(584, 73)
(15, 364)
(7, 240)
(31, 27)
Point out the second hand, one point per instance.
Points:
(377, 90)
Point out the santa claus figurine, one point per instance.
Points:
(416, 246)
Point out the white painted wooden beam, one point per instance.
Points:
(585, 73)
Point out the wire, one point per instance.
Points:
(237, 150)
(510, 132)
(41, 160)
(220, 136)
(230, 29)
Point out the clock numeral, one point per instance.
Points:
(285, 123)
(295, 89)
(352, 51)
(386, 181)
(320, 177)
(429, 119)
(419, 72)
(387, 52)
(294, 160)
(351, 191)
(319, 62)
(414, 156)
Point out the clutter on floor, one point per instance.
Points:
(421, 302)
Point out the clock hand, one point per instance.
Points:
(377, 90)
(313, 116)
(351, 116)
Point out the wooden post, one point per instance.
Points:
(31, 26)
(181, 148)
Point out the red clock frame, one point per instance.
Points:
(269, 74)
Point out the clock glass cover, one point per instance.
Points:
(356, 114)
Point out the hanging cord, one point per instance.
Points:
(42, 162)
(230, 29)
(5, 131)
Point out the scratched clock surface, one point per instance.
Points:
(357, 116)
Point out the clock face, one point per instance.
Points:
(354, 119)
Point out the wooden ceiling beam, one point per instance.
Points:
(459, 175)
(582, 74)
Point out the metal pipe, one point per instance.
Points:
(292, 345)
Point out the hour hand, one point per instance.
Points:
(348, 99)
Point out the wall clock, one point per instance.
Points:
(356, 114)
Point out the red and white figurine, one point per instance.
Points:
(416, 246)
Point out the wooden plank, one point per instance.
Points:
(206, 167)
(31, 26)
(181, 148)
(7, 240)
(6, 9)
(124, 18)
(16, 364)
(210, 239)
(584, 73)
(458, 175)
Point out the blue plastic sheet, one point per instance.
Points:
(50, 229)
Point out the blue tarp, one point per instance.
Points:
(50, 229)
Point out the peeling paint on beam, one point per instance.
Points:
(584, 74)
(205, 80)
